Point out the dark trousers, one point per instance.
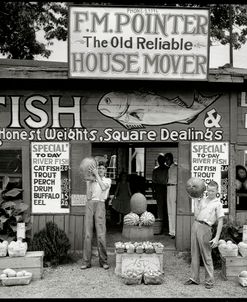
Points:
(95, 210)
(161, 197)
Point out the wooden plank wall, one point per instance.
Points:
(72, 225)
(184, 216)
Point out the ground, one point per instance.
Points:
(68, 281)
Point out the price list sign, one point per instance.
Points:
(210, 161)
(50, 177)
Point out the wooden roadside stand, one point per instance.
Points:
(232, 266)
(31, 262)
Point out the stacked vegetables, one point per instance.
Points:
(242, 278)
(11, 277)
(139, 247)
(3, 248)
(230, 249)
(146, 219)
(152, 276)
(242, 247)
(132, 276)
(14, 248)
(227, 248)
(17, 248)
(139, 214)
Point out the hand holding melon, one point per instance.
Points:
(195, 187)
(87, 165)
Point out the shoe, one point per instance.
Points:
(105, 266)
(172, 236)
(209, 285)
(190, 282)
(85, 266)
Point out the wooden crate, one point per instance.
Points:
(31, 262)
(137, 233)
(125, 261)
(232, 266)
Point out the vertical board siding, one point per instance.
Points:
(72, 228)
(183, 232)
(59, 221)
(35, 224)
(241, 218)
(49, 218)
(179, 235)
(26, 175)
(183, 200)
(42, 222)
(78, 232)
(66, 224)
(183, 228)
(72, 225)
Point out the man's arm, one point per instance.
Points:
(215, 240)
(103, 186)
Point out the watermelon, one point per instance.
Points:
(131, 219)
(85, 164)
(195, 187)
(138, 203)
(147, 218)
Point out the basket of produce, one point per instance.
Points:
(158, 247)
(228, 249)
(132, 277)
(11, 277)
(153, 277)
(119, 247)
(139, 249)
(3, 248)
(242, 278)
(130, 247)
(148, 247)
(242, 247)
(17, 248)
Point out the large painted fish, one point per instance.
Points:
(136, 109)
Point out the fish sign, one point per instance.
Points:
(135, 109)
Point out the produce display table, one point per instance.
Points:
(124, 261)
(31, 262)
(232, 266)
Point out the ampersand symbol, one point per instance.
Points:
(212, 119)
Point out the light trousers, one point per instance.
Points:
(171, 208)
(95, 210)
(201, 234)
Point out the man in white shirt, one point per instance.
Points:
(97, 192)
(171, 193)
(207, 211)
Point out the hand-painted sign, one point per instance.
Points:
(138, 43)
(119, 116)
(50, 177)
(210, 161)
(133, 110)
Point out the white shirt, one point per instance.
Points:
(172, 174)
(208, 210)
(95, 192)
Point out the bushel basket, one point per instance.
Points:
(153, 280)
(8, 281)
(131, 280)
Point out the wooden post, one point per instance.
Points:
(231, 184)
